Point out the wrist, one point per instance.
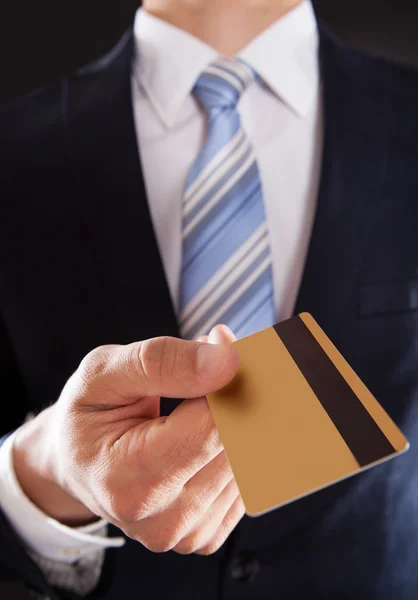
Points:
(34, 469)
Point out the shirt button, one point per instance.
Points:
(245, 568)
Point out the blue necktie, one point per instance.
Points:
(226, 272)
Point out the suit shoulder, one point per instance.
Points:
(363, 63)
(381, 73)
(401, 79)
(34, 132)
(376, 91)
(30, 114)
(393, 87)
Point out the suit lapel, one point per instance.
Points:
(113, 200)
(353, 168)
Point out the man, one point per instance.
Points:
(227, 162)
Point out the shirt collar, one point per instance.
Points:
(168, 60)
(286, 57)
(167, 64)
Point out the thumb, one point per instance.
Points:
(163, 366)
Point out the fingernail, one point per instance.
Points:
(221, 334)
(211, 360)
(227, 331)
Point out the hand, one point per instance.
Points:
(102, 448)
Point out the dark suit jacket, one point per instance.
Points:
(79, 267)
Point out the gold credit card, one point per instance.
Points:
(296, 418)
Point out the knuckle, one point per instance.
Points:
(155, 533)
(94, 364)
(150, 542)
(159, 534)
(210, 439)
(131, 508)
(190, 544)
(121, 507)
(173, 536)
(212, 547)
(167, 539)
(144, 502)
(152, 500)
(179, 528)
(159, 547)
(134, 360)
(184, 548)
(197, 506)
(204, 434)
(157, 359)
(124, 507)
(215, 543)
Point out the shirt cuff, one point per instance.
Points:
(39, 532)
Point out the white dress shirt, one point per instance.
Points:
(282, 118)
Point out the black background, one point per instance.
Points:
(42, 40)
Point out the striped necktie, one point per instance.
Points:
(226, 272)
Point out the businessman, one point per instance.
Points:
(227, 163)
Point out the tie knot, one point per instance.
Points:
(222, 83)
